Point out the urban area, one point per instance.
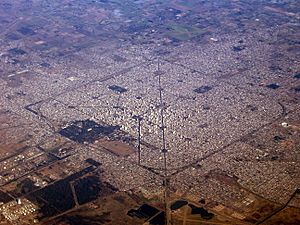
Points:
(149, 112)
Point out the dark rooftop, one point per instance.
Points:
(26, 31)
(16, 51)
(117, 88)
(273, 86)
(202, 89)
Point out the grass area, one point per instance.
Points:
(189, 4)
(184, 32)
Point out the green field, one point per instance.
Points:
(183, 32)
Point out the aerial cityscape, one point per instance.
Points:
(149, 112)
